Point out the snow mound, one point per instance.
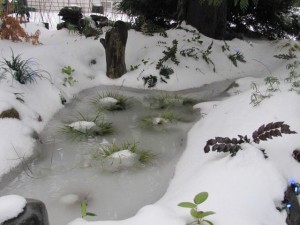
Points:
(120, 160)
(108, 101)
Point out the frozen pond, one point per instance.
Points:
(66, 172)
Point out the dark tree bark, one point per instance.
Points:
(114, 45)
(209, 20)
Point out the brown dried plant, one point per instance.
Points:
(263, 133)
(11, 30)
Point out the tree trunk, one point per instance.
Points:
(114, 45)
(209, 20)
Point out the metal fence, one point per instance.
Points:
(87, 6)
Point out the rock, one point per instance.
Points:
(296, 155)
(10, 113)
(11, 206)
(35, 213)
(101, 21)
(70, 15)
(293, 215)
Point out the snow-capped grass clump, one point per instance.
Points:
(82, 126)
(127, 155)
(110, 101)
(159, 120)
(11, 206)
(86, 128)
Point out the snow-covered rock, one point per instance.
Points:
(11, 206)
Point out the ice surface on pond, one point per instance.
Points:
(65, 173)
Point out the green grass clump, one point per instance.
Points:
(106, 150)
(22, 70)
(166, 101)
(121, 104)
(162, 119)
(146, 156)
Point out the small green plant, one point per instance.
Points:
(237, 56)
(165, 72)
(89, 29)
(23, 71)
(134, 67)
(225, 47)
(145, 61)
(170, 53)
(167, 101)
(69, 79)
(273, 83)
(150, 81)
(287, 56)
(190, 52)
(257, 97)
(20, 97)
(293, 75)
(195, 212)
(206, 53)
(72, 28)
(111, 101)
(197, 38)
(263, 133)
(83, 207)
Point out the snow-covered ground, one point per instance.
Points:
(244, 189)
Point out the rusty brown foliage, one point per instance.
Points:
(11, 30)
(263, 133)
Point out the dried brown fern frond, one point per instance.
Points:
(233, 145)
(226, 144)
(271, 130)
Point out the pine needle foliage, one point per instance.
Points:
(263, 133)
(243, 4)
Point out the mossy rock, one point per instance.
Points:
(10, 113)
